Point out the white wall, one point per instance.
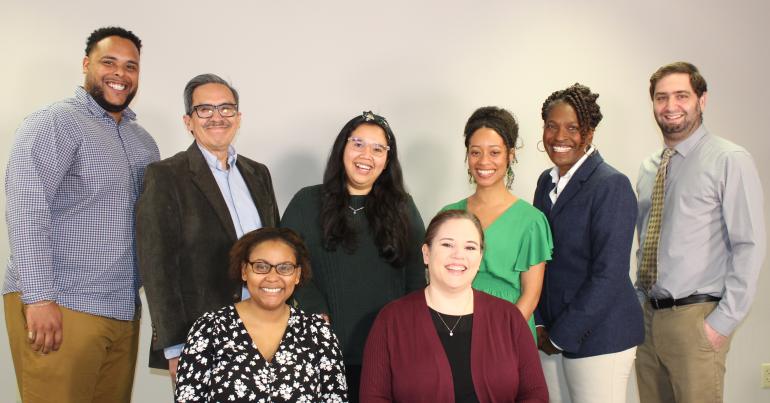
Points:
(303, 68)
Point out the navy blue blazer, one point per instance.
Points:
(588, 304)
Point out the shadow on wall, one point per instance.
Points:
(292, 172)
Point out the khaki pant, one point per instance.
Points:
(676, 362)
(95, 362)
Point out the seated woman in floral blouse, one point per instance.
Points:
(261, 349)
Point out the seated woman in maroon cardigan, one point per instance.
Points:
(449, 343)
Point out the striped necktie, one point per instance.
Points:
(648, 271)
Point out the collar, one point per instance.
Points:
(555, 170)
(213, 162)
(86, 99)
(689, 143)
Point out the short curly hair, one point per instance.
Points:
(106, 32)
(580, 98)
(239, 253)
(498, 119)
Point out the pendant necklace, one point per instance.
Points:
(452, 330)
(355, 210)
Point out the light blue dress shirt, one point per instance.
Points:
(242, 209)
(712, 231)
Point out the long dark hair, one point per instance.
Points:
(385, 205)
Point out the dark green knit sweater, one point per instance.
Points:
(351, 288)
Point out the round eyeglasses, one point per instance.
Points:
(263, 267)
(360, 145)
(205, 111)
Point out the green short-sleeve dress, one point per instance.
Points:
(517, 240)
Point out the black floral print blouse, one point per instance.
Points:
(220, 362)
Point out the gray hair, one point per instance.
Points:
(199, 80)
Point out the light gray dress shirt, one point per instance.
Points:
(712, 235)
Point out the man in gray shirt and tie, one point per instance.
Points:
(702, 243)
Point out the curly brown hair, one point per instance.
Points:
(239, 253)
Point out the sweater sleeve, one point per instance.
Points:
(532, 386)
(308, 297)
(376, 379)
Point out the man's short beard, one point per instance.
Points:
(683, 130)
(98, 95)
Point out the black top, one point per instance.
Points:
(352, 287)
(458, 352)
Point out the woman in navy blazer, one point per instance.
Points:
(589, 318)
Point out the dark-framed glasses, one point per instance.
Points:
(205, 111)
(360, 145)
(263, 267)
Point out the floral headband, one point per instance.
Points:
(371, 117)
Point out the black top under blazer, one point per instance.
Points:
(184, 234)
(588, 303)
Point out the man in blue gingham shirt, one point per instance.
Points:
(71, 288)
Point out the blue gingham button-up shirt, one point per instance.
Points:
(73, 177)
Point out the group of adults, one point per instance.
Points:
(332, 301)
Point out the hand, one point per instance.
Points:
(44, 326)
(544, 341)
(542, 336)
(173, 363)
(716, 339)
(549, 348)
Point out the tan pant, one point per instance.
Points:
(676, 362)
(95, 362)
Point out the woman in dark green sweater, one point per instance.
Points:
(364, 234)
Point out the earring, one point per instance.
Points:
(540, 144)
(470, 177)
(509, 176)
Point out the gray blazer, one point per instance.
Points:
(183, 235)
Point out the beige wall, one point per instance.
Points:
(305, 67)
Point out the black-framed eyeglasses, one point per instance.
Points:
(205, 111)
(263, 267)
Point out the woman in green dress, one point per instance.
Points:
(518, 239)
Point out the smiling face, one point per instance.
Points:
(363, 167)
(215, 133)
(488, 158)
(270, 291)
(112, 73)
(454, 255)
(677, 108)
(563, 141)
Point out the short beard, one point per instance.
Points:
(683, 130)
(97, 94)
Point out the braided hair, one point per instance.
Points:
(582, 100)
